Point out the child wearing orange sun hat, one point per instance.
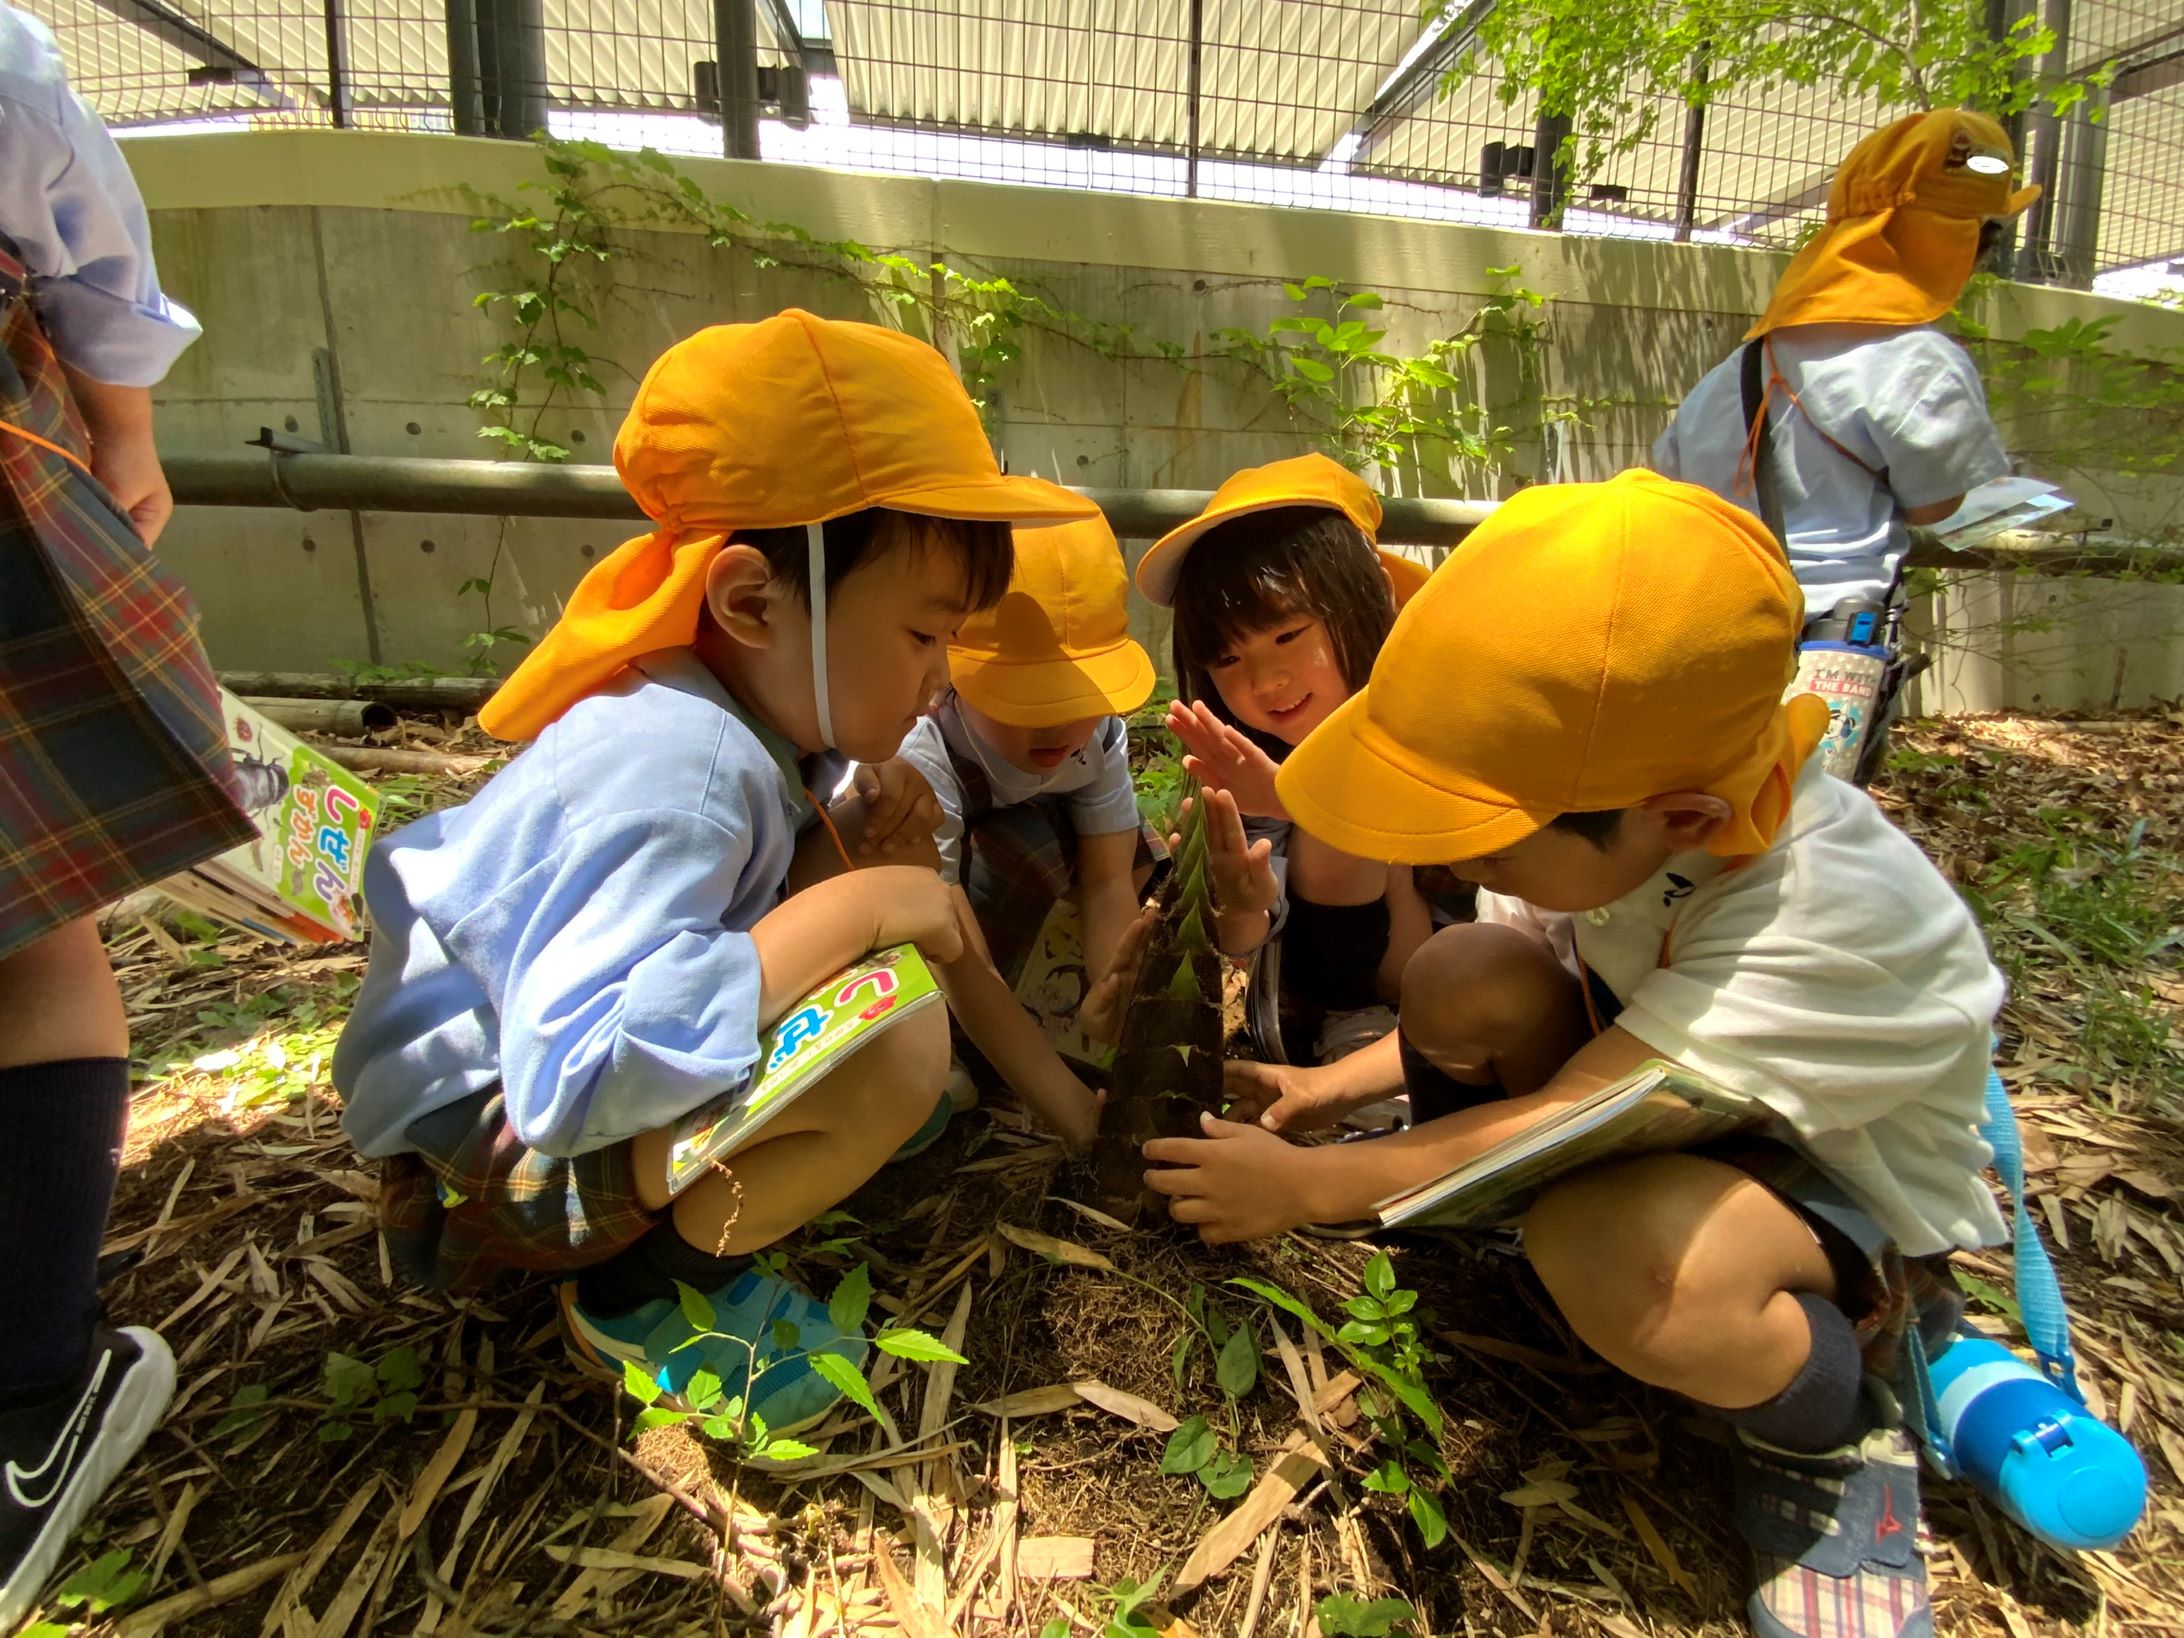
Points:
(592, 946)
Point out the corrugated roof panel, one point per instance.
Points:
(1050, 68)
(1441, 140)
(1767, 165)
(130, 74)
(634, 54)
(1287, 80)
(2145, 178)
(1280, 80)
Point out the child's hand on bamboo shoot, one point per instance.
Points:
(1234, 1183)
(1099, 1015)
(1220, 757)
(1282, 1097)
(1244, 888)
(900, 809)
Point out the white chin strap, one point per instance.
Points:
(815, 554)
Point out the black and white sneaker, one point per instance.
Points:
(58, 1456)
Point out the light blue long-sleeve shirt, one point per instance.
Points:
(72, 208)
(579, 931)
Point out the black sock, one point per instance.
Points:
(1819, 1409)
(648, 1270)
(64, 1123)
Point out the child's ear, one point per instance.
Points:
(1688, 819)
(741, 596)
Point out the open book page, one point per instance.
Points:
(814, 1037)
(1658, 1107)
(1053, 982)
(1999, 504)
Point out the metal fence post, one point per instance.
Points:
(1550, 184)
(2078, 219)
(1198, 43)
(735, 50)
(465, 85)
(337, 65)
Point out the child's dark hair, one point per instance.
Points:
(1599, 827)
(1253, 571)
(987, 551)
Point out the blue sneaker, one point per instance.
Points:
(936, 1124)
(742, 1347)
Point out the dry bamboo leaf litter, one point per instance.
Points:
(212, 1171)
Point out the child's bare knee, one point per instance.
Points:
(895, 1079)
(1479, 983)
(1615, 1247)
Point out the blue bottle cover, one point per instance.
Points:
(2048, 1462)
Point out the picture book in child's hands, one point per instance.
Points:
(301, 879)
(814, 1037)
(1659, 1106)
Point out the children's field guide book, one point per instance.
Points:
(845, 1014)
(301, 880)
(1657, 1107)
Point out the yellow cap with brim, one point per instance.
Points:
(1304, 480)
(1589, 646)
(1057, 647)
(795, 420)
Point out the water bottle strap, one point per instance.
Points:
(2039, 1294)
(1924, 1412)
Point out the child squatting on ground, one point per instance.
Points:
(1281, 604)
(1020, 792)
(1583, 709)
(591, 947)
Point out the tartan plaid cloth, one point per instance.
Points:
(1017, 861)
(114, 767)
(474, 1200)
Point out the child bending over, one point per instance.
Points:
(1584, 709)
(591, 947)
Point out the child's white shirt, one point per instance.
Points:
(1095, 781)
(1836, 978)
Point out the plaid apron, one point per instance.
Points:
(473, 1199)
(1017, 861)
(114, 769)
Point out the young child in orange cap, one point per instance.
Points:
(591, 947)
(1875, 419)
(1018, 791)
(1583, 710)
(1281, 602)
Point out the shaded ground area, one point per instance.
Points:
(345, 1456)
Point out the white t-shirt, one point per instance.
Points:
(1838, 979)
(1096, 781)
(1906, 402)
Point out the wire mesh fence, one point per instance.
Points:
(1346, 104)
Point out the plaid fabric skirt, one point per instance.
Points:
(1017, 861)
(114, 768)
(474, 1200)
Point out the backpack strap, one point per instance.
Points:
(1758, 435)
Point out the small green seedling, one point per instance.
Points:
(724, 1418)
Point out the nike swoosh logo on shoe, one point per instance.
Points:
(54, 1469)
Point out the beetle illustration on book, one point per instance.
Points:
(1167, 1064)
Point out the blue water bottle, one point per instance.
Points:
(2050, 1464)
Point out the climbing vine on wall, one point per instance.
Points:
(1422, 417)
